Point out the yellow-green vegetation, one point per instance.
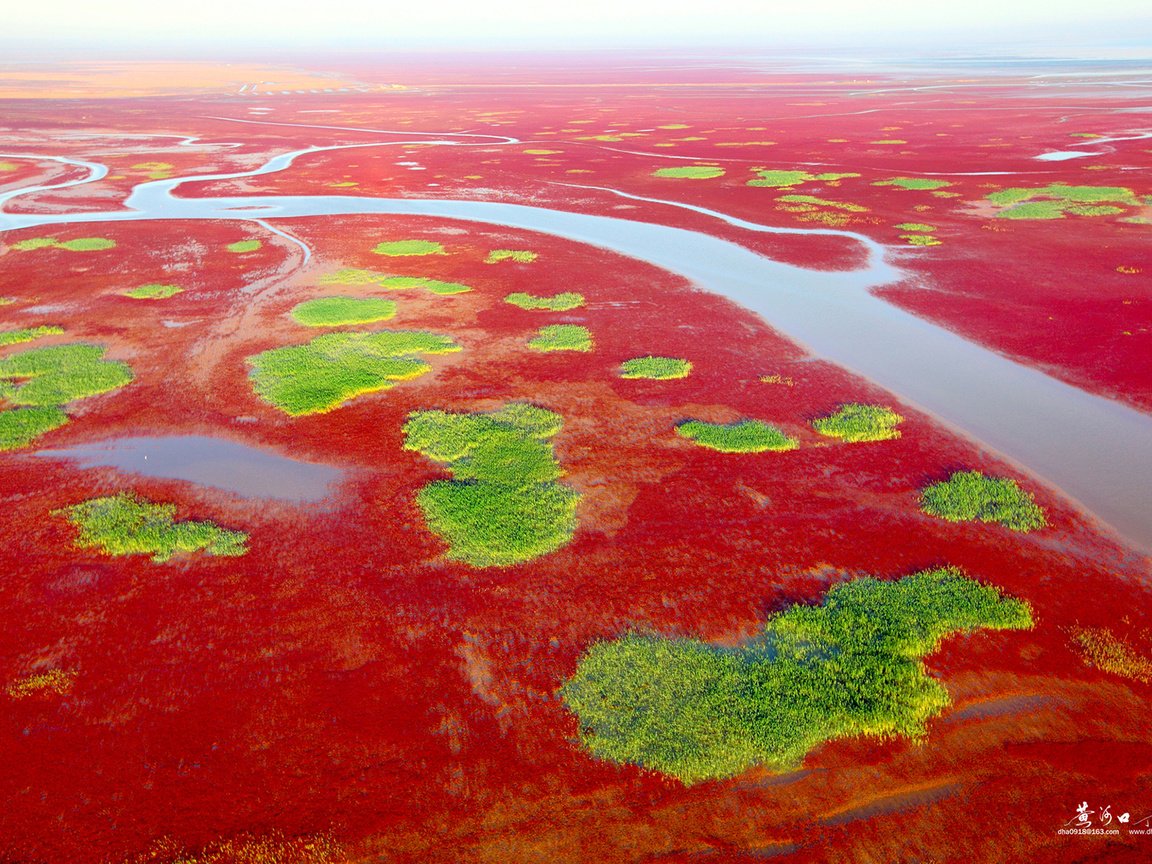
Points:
(744, 436)
(556, 303)
(1100, 647)
(783, 179)
(19, 427)
(913, 183)
(823, 202)
(339, 311)
(562, 337)
(9, 166)
(54, 681)
(350, 276)
(656, 368)
(1058, 199)
(849, 667)
(916, 226)
(241, 246)
(27, 334)
(127, 525)
(503, 505)
(521, 256)
(153, 291)
(81, 244)
(331, 369)
(854, 422)
(398, 248)
(156, 170)
(920, 239)
(58, 374)
(969, 496)
(690, 172)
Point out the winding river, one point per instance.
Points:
(1094, 450)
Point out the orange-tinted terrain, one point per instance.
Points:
(347, 690)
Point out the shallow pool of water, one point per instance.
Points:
(247, 471)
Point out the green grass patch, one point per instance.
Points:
(9, 166)
(783, 179)
(349, 276)
(847, 668)
(242, 246)
(59, 374)
(1058, 199)
(153, 291)
(855, 423)
(562, 337)
(916, 226)
(503, 505)
(920, 240)
(969, 496)
(521, 256)
(127, 525)
(913, 183)
(690, 172)
(27, 334)
(19, 427)
(398, 248)
(656, 368)
(556, 303)
(744, 436)
(339, 311)
(331, 369)
(81, 244)
(823, 202)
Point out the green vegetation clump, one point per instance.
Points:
(562, 302)
(823, 202)
(127, 525)
(562, 337)
(656, 368)
(19, 427)
(397, 248)
(690, 172)
(916, 226)
(744, 436)
(241, 246)
(503, 505)
(331, 369)
(920, 239)
(153, 292)
(349, 276)
(1058, 199)
(58, 374)
(968, 496)
(849, 667)
(27, 334)
(339, 311)
(783, 179)
(913, 183)
(855, 423)
(521, 256)
(81, 244)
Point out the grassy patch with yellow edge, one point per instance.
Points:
(849, 667)
(80, 244)
(562, 337)
(127, 525)
(855, 423)
(655, 368)
(351, 276)
(55, 682)
(783, 179)
(690, 172)
(27, 334)
(403, 248)
(743, 436)
(242, 246)
(341, 311)
(562, 302)
(331, 369)
(153, 291)
(521, 256)
(504, 505)
(1057, 200)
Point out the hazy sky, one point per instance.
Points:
(479, 23)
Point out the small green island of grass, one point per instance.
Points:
(655, 368)
(744, 436)
(341, 311)
(562, 337)
(504, 504)
(127, 525)
(562, 302)
(854, 423)
(403, 248)
(152, 292)
(969, 496)
(849, 667)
